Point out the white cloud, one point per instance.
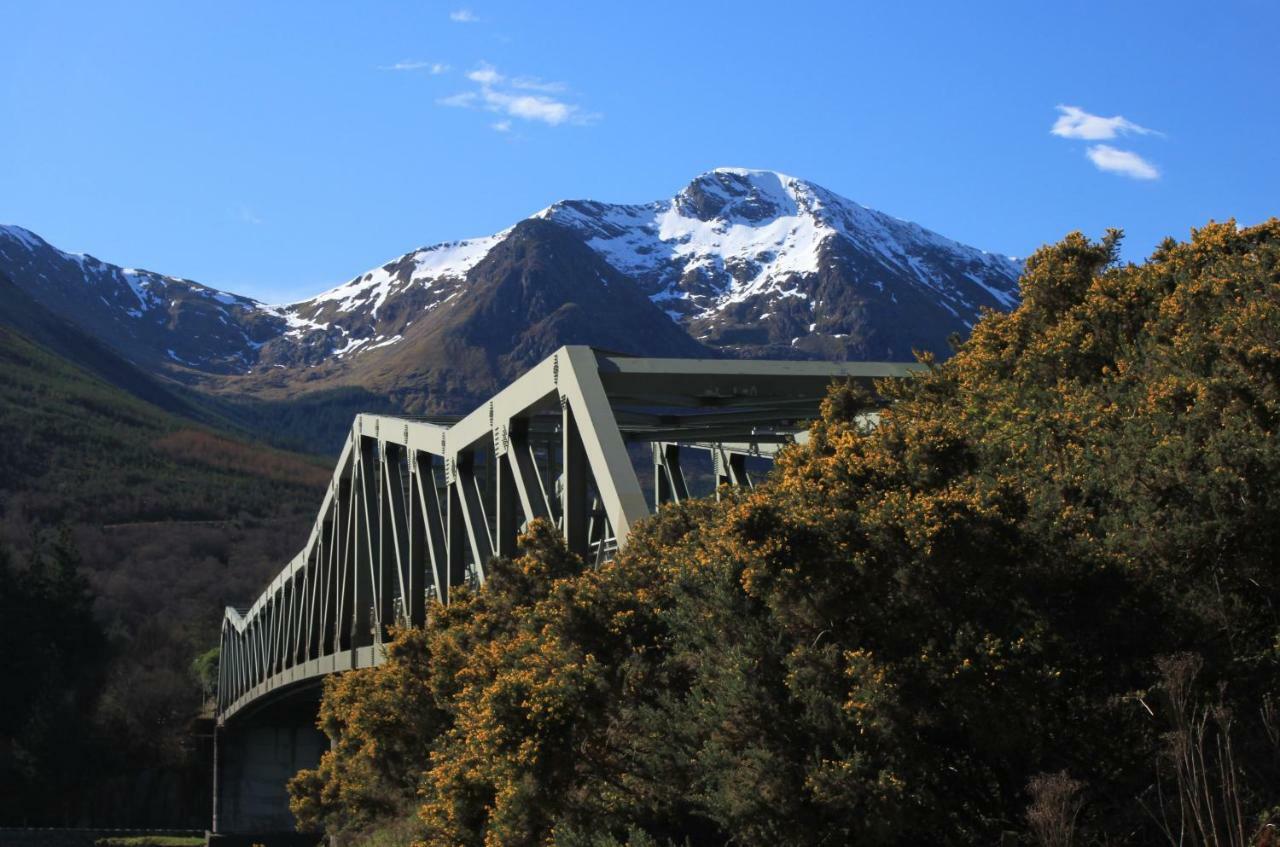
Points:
(463, 16)
(486, 74)
(463, 100)
(247, 216)
(514, 99)
(532, 83)
(416, 65)
(531, 107)
(1074, 122)
(1123, 162)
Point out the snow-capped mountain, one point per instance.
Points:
(748, 262)
(344, 321)
(756, 258)
(739, 262)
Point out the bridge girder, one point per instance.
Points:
(416, 507)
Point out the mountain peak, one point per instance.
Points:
(28, 238)
(761, 177)
(739, 194)
(736, 242)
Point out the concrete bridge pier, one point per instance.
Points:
(255, 756)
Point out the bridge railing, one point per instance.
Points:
(416, 508)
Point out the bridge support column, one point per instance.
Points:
(574, 496)
(254, 760)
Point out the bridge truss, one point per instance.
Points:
(417, 507)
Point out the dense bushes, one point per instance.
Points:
(1003, 587)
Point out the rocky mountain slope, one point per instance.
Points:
(153, 319)
(738, 263)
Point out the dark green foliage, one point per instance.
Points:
(55, 661)
(205, 669)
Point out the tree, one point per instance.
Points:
(205, 669)
(382, 722)
(55, 651)
(893, 636)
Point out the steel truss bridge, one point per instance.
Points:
(416, 507)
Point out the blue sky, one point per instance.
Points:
(275, 149)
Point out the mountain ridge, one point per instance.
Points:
(739, 263)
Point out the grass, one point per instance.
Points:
(151, 841)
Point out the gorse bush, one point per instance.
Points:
(902, 630)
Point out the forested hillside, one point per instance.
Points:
(135, 524)
(1041, 601)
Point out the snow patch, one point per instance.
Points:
(1006, 298)
(28, 238)
(429, 266)
(769, 230)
